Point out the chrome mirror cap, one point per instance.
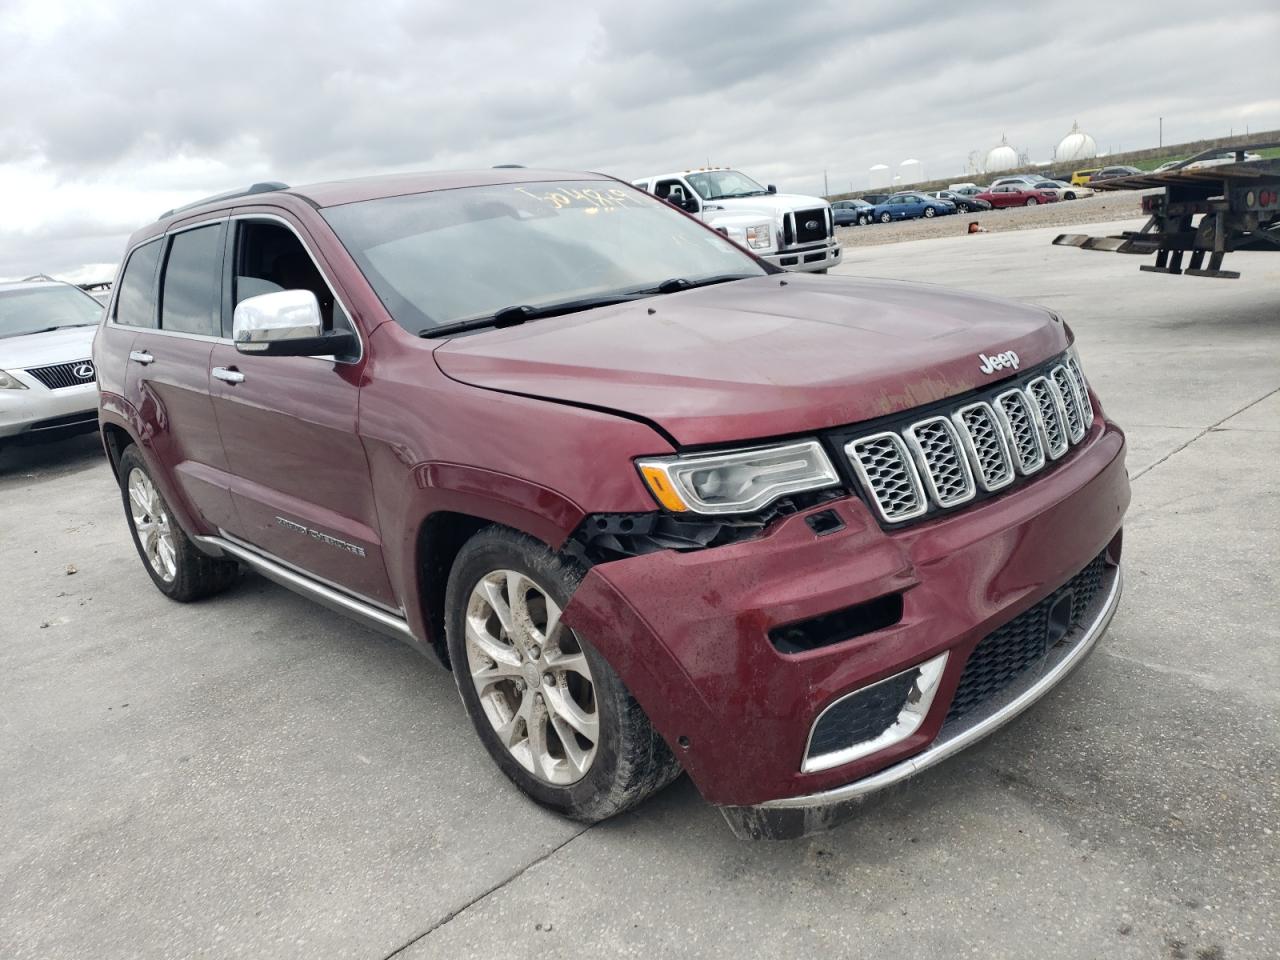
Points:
(274, 317)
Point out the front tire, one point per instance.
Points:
(552, 713)
(1032, 201)
(929, 212)
(864, 221)
(885, 218)
(179, 570)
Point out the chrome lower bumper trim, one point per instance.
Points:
(792, 817)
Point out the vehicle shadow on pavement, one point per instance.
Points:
(47, 460)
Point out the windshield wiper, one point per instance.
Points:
(676, 284)
(28, 333)
(515, 315)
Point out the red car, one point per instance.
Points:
(1017, 195)
(661, 506)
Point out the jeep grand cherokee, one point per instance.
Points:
(660, 506)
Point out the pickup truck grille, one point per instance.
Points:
(944, 460)
(810, 234)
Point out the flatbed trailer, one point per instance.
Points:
(1236, 201)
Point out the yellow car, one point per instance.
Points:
(1081, 177)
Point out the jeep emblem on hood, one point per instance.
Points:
(998, 362)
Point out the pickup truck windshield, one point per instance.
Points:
(723, 184)
(40, 309)
(450, 256)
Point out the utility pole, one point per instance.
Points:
(1162, 131)
(826, 189)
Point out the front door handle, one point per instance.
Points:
(228, 374)
(141, 356)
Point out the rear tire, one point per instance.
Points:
(554, 716)
(178, 569)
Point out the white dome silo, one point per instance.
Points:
(1076, 145)
(1000, 157)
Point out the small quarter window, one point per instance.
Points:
(136, 301)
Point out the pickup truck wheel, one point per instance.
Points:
(885, 218)
(550, 710)
(177, 568)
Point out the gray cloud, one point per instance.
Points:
(112, 99)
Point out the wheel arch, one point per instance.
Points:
(441, 536)
(115, 439)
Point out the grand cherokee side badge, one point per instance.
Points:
(321, 537)
(998, 362)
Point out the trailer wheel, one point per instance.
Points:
(1032, 201)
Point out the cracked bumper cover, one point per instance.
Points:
(688, 631)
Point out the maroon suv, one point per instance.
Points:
(659, 505)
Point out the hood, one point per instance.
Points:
(770, 205)
(42, 349)
(765, 357)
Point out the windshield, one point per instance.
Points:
(455, 255)
(36, 309)
(722, 184)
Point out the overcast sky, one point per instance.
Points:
(111, 113)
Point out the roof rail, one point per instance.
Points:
(269, 186)
(508, 166)
(38, 276)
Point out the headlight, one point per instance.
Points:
(10, 382)
(760, 237)
(739, 481)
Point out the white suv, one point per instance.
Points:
(790, 231)
(48, 386)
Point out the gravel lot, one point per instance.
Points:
(1115, 205)
(254, 776)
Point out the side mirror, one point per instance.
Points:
(286, 324)
(772, 188)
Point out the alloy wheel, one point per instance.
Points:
(151, 521)
(531, 677)
(928, 211)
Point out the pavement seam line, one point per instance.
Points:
(1209, 429)
(483, 895)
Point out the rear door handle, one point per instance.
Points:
(141, 356)
(228, 374)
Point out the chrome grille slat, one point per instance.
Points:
(1065, 383)
(59, 376)
(887, 472)
(1082, 391)
(986, 444)
(1046, 404)
(941, 460)
(1013, 408)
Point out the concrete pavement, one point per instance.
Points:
(254, 777)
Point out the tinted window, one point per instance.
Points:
(189, 293)
(136, 302)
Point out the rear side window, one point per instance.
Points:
(136, 301)
(190, 292)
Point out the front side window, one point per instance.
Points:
(189, 291)
(452, 256)
(46, 308)
(269, 257)
(722, 184)
(136, 301)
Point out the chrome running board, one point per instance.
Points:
(332, 597)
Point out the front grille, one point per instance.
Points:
(1009, 651)
(62, 375)
(810, 234)
(942, 461)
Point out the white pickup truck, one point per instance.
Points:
(790, 231)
